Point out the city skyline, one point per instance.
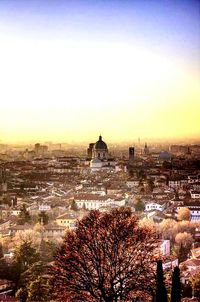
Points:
(71, 70)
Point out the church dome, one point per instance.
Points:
(100, 145)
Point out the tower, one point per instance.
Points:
(131, 155)
(90, 150)
(146, 149)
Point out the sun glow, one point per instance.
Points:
(73, 89)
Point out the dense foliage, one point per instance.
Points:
(109, 257)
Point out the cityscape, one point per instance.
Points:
(100, 151)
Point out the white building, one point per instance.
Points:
(164, 246)
(155, 206)
(95, 202)
(178, 183)
(44, 207)
(195, 194)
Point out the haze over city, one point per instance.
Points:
(71, 70)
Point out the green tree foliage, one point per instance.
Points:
(22, 294)
(25, 255)
(39, 290)
(108, 258)
(24, 216)
(47, 250)
(34, 283)
(176, 286)
(43, 218)
(161, 292)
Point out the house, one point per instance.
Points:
(44, 207)
(20, 229)
(67, 220)
(132, 183)
(195, 194)
(195, 253)
(191, 264)
(195, 214)
(164, 246)
(155, 206)
(54, 231)
(95, 202)
(177, 183)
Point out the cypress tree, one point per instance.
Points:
(161, 292)
(176, 286)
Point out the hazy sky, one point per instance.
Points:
(70, 70)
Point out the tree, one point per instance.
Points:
(183, 245)
(74, 206)
(4, 269)
(22, 294)
(183, 214)
(139, 205)
(168, 229)
(24, 215)
(28, 235)
(185, 226)
(147, 223)
(107, 258)
(196, 286)
(180, 252)
(39, 290)
(34, 283)
(25, 255)
(161, 292)
(47, 250)
(185, 239)
(1, 251)
(176, 286)
(43, 218)
(150, 184)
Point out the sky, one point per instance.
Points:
(70, 70)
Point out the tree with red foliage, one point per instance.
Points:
(108, 258)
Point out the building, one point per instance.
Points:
(100, 156)
(67, 220)
(100, 149)
(164, 246)
(146, 149)
(131, 155)
(95, 201)
(155, 206)
(90, 151)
